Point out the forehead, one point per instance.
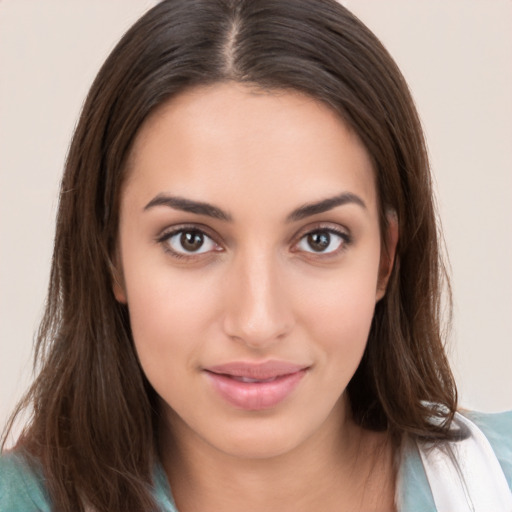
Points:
(229, 141)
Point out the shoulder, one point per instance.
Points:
(497, 428)
(414, 491)
(21, 485)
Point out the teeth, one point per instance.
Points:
(249, 380)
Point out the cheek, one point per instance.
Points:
(170, 316)
(338, 311)
(342, 325)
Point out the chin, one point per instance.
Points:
(260, 444)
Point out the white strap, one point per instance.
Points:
(465, 476)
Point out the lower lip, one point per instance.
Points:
(255, 396)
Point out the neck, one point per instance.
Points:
(341, 468)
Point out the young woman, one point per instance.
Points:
(244, 303)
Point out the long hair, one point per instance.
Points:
(95, 416)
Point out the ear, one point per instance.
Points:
(118, 285)
(387, 254)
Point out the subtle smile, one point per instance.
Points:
(255, 387)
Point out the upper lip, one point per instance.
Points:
(265, 370)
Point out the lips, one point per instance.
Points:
(254, 387)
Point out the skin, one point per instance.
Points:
(255, 289)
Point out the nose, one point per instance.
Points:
(258, 312)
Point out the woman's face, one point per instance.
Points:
(250, 260)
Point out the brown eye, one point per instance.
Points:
(319, 241)
(190, 241)
(324, 241)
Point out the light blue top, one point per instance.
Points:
(23, 490)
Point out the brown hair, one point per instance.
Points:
(94, 413)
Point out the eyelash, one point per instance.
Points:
(346, 240)
(167, 235)
(163, 239)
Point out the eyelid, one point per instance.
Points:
(171, 231)
(330, 227)
(322, 226)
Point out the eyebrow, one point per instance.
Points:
(189, 205)
(324, 205)
(209, 210)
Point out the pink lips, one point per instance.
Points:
(255, 386)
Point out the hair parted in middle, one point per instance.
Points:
(95, 414)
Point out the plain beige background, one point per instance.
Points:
(456, 56)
